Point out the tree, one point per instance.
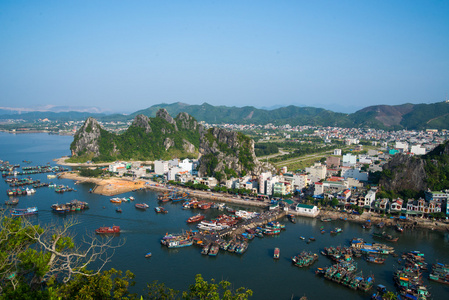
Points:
(32, 257)
(205, 290)
(159, 291)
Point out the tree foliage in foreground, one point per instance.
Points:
(45, 263)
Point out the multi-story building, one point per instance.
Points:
(160, 167)
(316, 172)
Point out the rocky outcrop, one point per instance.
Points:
(226, 154)
(86, 139)
(163, 114)
(143, 122)
(168, 142)
(186, 121)
(188, 146)
(404, 172)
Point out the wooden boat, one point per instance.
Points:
(196, 218)
(302, 238)
(142, 206)
(116, 200)
(276, 253)
(160, 210)
(385, 236)
(304, 259)
(118, 209)
(24, 212)
(148, 254)
(399, 228)
(213, 251)
(113, 229)
(205, 249)
(336, 230)
(13, 201)
(376, 259)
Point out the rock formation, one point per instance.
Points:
(226, 154)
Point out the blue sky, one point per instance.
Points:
(128, 55)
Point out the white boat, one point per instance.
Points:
(50, 176)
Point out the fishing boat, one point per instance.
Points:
(148, 255)
(116, 200)
(13, 201)
(177, 241)
(440, 273)
(399, 228)
(376, 259)
(196, 218)
(276, 253)
(302, 238)
(213, 251)
(142, 206)
(336, 230)
(160, 210)
(385, 236)
(118, 209)
(205, 249)
(113, 229)
(24, 212)
(304, 259)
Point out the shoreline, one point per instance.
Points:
(62, 161)
(115, 186)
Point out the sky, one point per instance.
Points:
(123, 56)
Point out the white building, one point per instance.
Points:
(262, 182)
(307, 210)
(173, 163)
(355, 173)
(349, 160)
(370, 197)
(270, 182)
(316, 172)
(171, 174)
(402, 146)
(160, 167)
(418, 150)
(337, 152)
(115, 167)
(186, 165)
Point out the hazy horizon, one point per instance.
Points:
(127, 56)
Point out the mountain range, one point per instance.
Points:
(387, 117)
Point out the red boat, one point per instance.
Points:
(143, 206)
(205, 205)
(197, 218)
(113, 229)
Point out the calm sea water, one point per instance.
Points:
(255, 269)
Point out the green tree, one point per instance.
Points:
(205, 290)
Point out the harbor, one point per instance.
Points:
(255, 268)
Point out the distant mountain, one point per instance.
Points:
(293, 115)
(388, 117)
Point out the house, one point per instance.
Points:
(370, 197)
(116, 167)
(396, 205)
(307, 210)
